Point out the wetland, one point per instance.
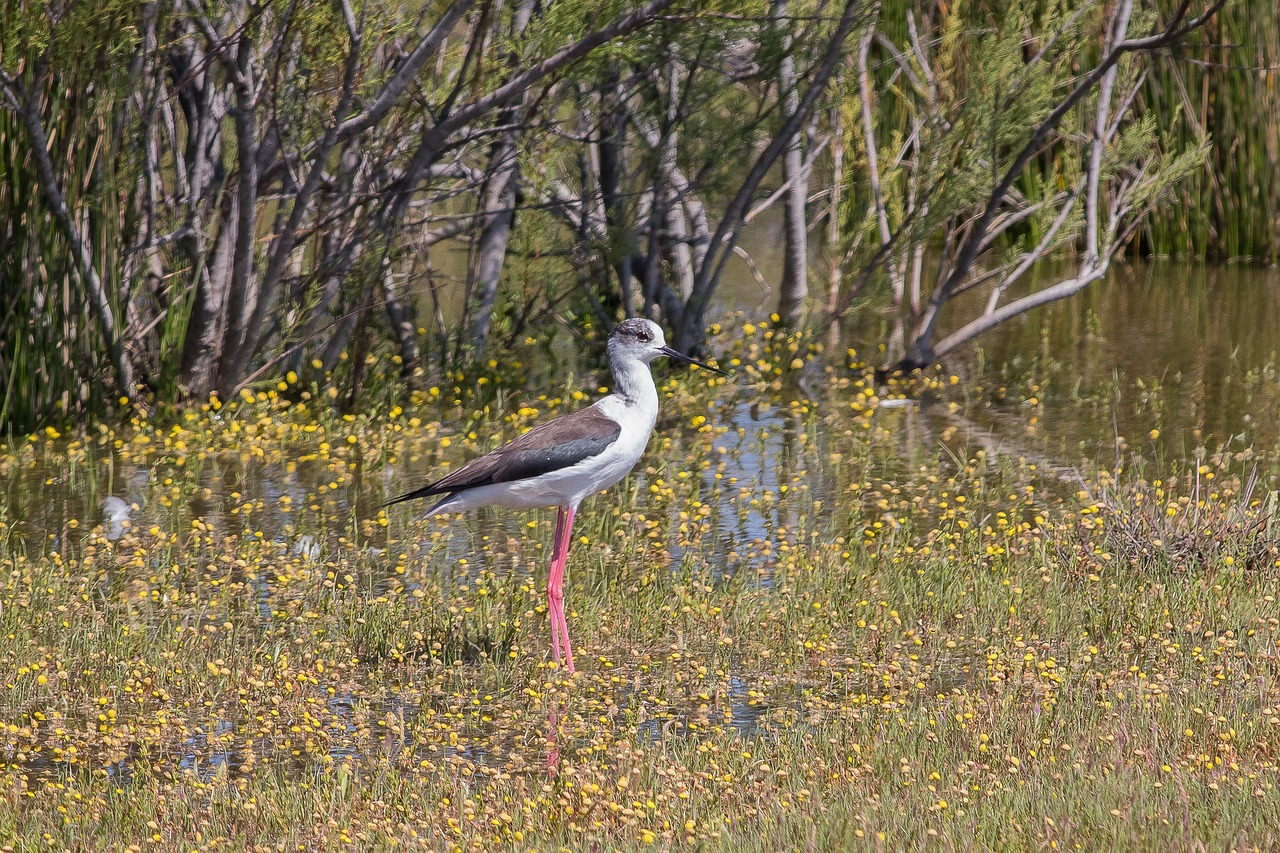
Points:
(1026, 600)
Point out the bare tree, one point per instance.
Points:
(638, 202)
(283, 152)
(498, 202)
(254, 188)
(719, 246)
(953, 178)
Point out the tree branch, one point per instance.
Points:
(391, 91)
(726, 234)
(921, 353)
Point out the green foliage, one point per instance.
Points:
(1230, 208)
(53, 362)
(997, 73)
(694, 95)
(67, 33)
(1008, 96)
(1171, 170)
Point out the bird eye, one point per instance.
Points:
(643, 336)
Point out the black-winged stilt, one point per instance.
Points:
(560, 462)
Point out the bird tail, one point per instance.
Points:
(426, 491)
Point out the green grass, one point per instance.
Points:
(943, 652)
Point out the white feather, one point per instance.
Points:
(634, 406)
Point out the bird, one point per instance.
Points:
(562, 461)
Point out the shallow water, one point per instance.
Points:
(1188, 349)
(1161, 362)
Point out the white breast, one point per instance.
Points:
(621, 456)
(570, 485)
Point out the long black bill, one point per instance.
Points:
(679, 356)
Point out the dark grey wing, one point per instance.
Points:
(559, 443)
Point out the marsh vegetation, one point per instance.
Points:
(265, 265)
(1037, 610)
(201, 198)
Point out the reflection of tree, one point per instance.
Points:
(997, 447)
(791, 469)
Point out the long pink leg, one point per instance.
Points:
(564, 561)
(555, 587)
(553, 591)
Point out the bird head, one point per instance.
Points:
(643, 340)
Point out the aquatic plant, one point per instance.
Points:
(803, 629)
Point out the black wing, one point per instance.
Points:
(559, 443)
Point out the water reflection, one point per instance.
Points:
(1189, 349)
(1162, 360)
(1184, 349)
(115, 515)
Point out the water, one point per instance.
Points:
(1187, 349)
(1161, 362)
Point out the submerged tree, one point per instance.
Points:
(263, 166)
(239, 189)
(704, 113)
(958, 179)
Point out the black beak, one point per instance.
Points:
(679, 356)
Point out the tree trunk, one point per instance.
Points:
(612, 140)
(401, 317)
(499, 212)
(795, 261)
(833, 212)
(199, 171)
(689, 331)
(202, 348)
(499, 202)
(240, 302)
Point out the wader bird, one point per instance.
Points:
(560, 462)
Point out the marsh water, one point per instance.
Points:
(1162, 361)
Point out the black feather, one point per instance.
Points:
(559, 443)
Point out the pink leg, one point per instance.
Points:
(555, 587)
(554, 592)
(564, 561)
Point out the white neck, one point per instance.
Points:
(634, 383)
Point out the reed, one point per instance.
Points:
(52, 355)
(1226, 84)
(1223, 82)
(46, 352)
